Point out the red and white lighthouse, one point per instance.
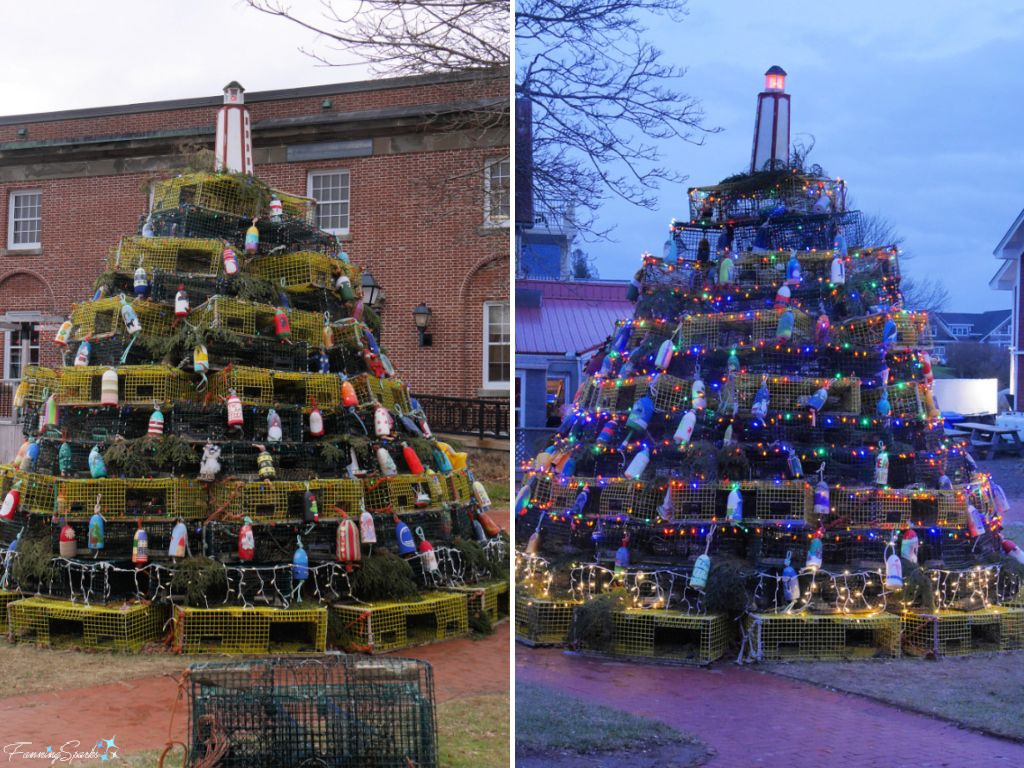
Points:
(771, 129)
(234, 134)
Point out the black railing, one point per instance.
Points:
(463, 416)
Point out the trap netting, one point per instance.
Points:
(336, 710)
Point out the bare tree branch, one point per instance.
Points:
(401, 37)
(603, 102)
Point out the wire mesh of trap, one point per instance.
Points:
(760, 196)
(6, 598)
(807, 636)
(401, 493)
(912, 330)
(250, 629)
(296, 206)
(176, 255)
(113, 349)
(126, 498)
(790, 393)
(747, 328)
(269, 500)
(103, 316)
(235, 195)
(261, 352)
(815, 232)
(389, 625)
(123, 627)
(490, 599)
(306, 268)
(390, 393)
(137, 384)
(251, 319)
(954, 633)
(543, 622)
(906, 399)
(339, 710)
(670, 635)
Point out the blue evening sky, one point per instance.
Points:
(918, 105)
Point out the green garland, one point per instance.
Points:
(384, 576)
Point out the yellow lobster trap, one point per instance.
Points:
(124, 628)
(182, 255)
(306, 269)
(251, 319)
(399, 493)
(37, 383)
(137, 384)
(259, 629)
(234, 195)
(788, 393)
(296, 206)
(390, 393)
(267, 500)
(387, 626)
(260, 386)
(128, 498)
(912, 330)
(103, 317)
(755, 327)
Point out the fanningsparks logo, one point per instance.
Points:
(104, 750)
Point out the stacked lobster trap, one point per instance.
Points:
(763, 431)
(227, 437)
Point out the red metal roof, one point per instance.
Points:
(572, 316)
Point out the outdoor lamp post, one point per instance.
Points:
(373, 294)
(422, 315)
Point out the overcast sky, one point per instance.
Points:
(917, 104)
(66, 54)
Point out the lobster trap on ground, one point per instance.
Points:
(808, 636)
(125, 627)
(257, 630)
(670, 635)
(955, 633)
(6, 598)
(337, 710)
(387, 626)
(543, 622)
(490, 598)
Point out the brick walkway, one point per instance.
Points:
(752, 718)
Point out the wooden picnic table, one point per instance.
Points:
(989, 439)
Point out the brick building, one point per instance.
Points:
(412, 174)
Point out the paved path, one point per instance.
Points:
(752, 718)
(138, 711)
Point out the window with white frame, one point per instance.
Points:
(518, 397)
(25, 219)
(21, 349)
(960, 330)
(497, 345)
(331, 191)
(497, 192)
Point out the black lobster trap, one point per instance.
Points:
(335, 710)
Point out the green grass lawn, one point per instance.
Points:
(980, 691)
(548, 721)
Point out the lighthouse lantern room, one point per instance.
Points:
(771, 129)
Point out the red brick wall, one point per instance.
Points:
(415, 223)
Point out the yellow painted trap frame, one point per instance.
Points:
(137, 385)
(257, 630)
(809, 636)
(103, 317)
(122, 627)
(267, 500)
(491, 598)
(670, 635)
(306, 269)
(543, 622)
(387, 626)
(957, 633)
(228, 194)
(180, 255)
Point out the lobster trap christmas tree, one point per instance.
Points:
(761, 439)
(226, 431)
